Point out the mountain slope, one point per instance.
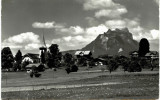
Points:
(113, 42)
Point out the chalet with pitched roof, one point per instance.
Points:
(33, 58)
(86, 54)
(133, 54)
(152, 55)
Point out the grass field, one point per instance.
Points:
(140, 85)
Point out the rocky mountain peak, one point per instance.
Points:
(112, 41)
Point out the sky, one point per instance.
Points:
(72, 24)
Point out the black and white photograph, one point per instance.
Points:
(79, 49)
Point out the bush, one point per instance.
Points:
(31, 74)
(134, 67)
(74, 68)
(41, 68)
(37, 75)
(67, 70)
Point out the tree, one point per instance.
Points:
(143, 47)
(18, 59)
(54, 56)
(70, 63)
(112, 65)
(67, 59)
(134, 66)
(7, 58)
(82, 61)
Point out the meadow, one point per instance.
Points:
(94, 84)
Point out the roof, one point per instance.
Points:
(77, 52)
(82, 53)
(35, 64)
(133, 53)
(32, 56)
(152, 53)
(31, 65)
(148, 54)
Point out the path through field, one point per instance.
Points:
(45, 87)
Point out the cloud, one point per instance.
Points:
(115, 24)
(155, 33)
(47, 25)
(96, 30)
(105, 8)
(23, 37)
(75, 30)
(98, 4)
(70, 42)
(22, 41)
(68, 38)
(32, 46)
(110, 13)
(150, 34)
(121, 23)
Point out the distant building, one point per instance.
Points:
(149, 55)
(152, 55)
(133, 54)
(86, 54)
(33, 58)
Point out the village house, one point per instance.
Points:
(133, 54)
(86, 54)
(33, 58)
(152, 55)
(149, 55)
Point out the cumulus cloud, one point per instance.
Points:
(75, 30)
(110, 13)
(105, 8)
(115, 24)
(140, 33)
(155, 33)
(68, 38)
(121, 23)
(98, 4)
(23, 37)
(32, 46)
(70, 42)
(22, 40)
(96, 30)
(47, 25)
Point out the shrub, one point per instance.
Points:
(134, 67)
(67, 70)
(31, 74)
(37, 75)
(40, 68)
(74, 68)
(112, 65)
